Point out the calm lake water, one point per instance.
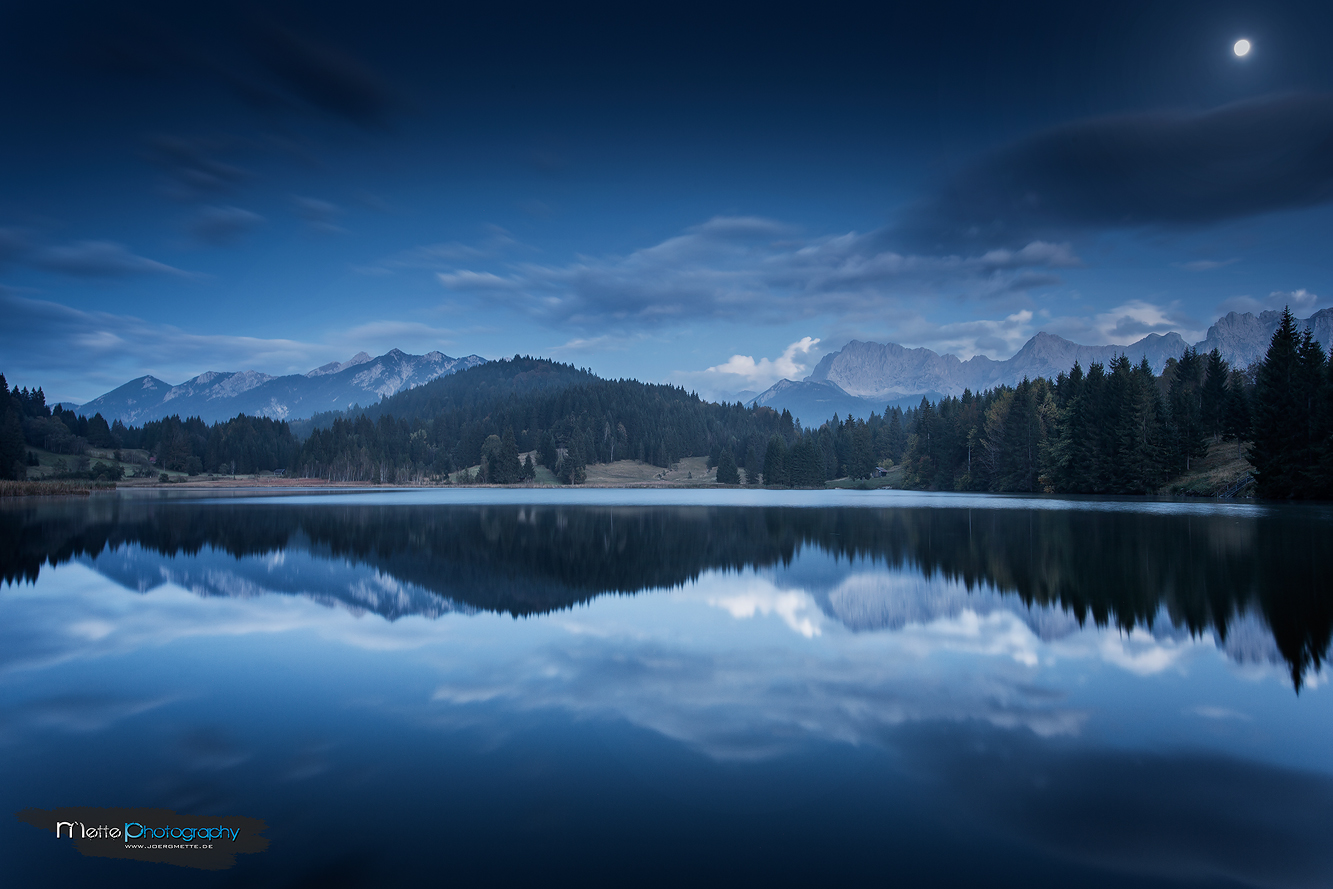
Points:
(630, 687)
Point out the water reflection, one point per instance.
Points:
(1009, 695)
(1260, 582)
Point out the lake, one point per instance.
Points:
(628, 687)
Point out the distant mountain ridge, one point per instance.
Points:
(216, 396)
(863, 376)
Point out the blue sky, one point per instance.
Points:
(709, 195)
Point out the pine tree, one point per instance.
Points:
(506, 468)
(1279, 425)
(775, 463)
(862, 463)
(1323, 456)
(1187, 415)
(1313, 376)
(727, 473)
(1214, 395)
(897, 437)
(1236, 423)
(13, 460)
(753, 465)
(806, 465)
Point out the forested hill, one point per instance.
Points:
(476, 389)
(488, 415)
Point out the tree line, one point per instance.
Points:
(241, 445)
(1121, 429)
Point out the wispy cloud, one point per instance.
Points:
(1205, 265)
(98, 259)
(446, 255)
(1128, 323)
(79, 259)
(321, 216)
(77, 355)
(754, 270)
(1302, 302)
(223, 226)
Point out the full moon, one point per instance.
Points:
(1242, 48)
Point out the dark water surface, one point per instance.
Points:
(639, 687)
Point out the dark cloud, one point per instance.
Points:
(1169, 169)
(98, 259)
(81, 259)
(325, 76)
(222, 226)
(193, 169)
(263, 62)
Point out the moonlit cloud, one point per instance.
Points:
(1139, 169)
(753, 270)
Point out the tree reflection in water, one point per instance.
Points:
(1122, 568)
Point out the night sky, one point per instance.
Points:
(684, 193)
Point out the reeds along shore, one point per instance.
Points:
(51, 489)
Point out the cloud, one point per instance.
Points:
(1204, 265)
(1162, 168)
(992, 337)
(319, 215)
(13, 244)
(1127, 323)
(327, 77)
(744, 372)
(80, 259)
(1301, 302)
(190, 167)
(603, 343)
(98, 259)
(752, 270)
(77, 354)
(222, 226)
(474, 281)
(264, 62)
(446, 255)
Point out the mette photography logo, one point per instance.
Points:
(158, 835)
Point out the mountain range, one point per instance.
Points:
(863, 377)
(216, 396)
(857, 379)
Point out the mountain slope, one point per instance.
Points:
(217, 396)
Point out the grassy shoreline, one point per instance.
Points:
(52, 488)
